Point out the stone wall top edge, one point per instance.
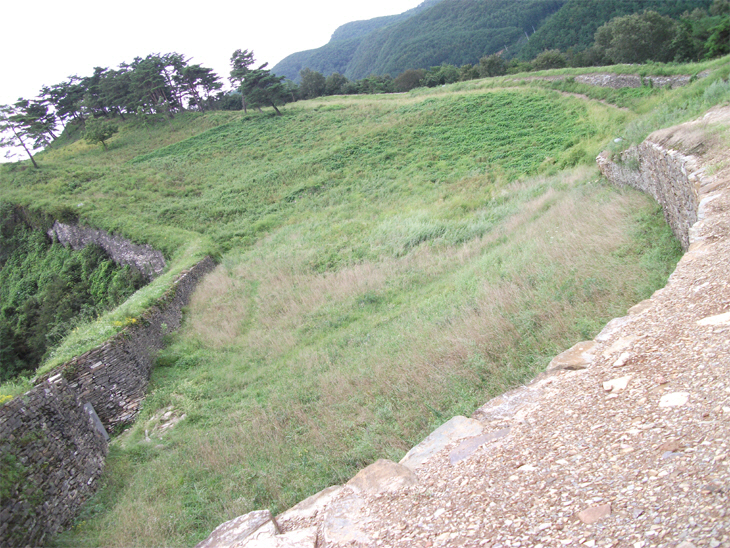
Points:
(201, 267)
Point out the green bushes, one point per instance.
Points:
(46, 290)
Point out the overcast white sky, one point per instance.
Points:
(43, 42)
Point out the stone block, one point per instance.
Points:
(382, 476)
(236, 530)
(311, 506)
(577, 357)
(458, 428)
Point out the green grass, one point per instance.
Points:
(386, 263)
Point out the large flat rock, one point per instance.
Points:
(575, 358)
(311, 506)
(454, 430)
(382, 476)
(300, 538)
(344, 522)
(236, 530)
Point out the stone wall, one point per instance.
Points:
(144, 258)
(114, 376)
(670, 177)
(52, 443)
(51, 457)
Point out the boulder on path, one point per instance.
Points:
(454, 430)
(311, 506)
(344, 522)
(575, 358)
(236, 530)
(382, 476)
(300, 538)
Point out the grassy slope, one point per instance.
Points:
(388, 262)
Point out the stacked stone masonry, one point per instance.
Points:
(670, 177)
(144, 258)
(51, 451)
(51, 457)
(114, 377)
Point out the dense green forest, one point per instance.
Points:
(357, 29)
(46, 290)
(452, 31)
(460, 32)
(575, 24)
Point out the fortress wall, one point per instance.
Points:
(51, 457)
(53, 444)
(144, 258)
(114, 376)
(670, 177)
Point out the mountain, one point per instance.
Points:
(458, 32)
(358, 29)
(440, 31)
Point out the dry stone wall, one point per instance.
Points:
(53, 439)
(144, 258)
(114, 376)
(673, 179)
(51, 457)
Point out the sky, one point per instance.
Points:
(44, 42)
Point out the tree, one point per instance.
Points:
(67, 100)
(492, 65)
(313, 84)
(720, 7)
(241, 61)
(719, 41)
(197, 83)
(468, 72)
(335, 83)
(38, 123)
(638, 38)
(99, 130)
(262, 88)
(549, 59)
(13, 133)
(409, 79)
(441, 75)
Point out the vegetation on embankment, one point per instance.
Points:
(387, 262)
(46, 290)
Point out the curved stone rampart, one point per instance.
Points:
(51, 449)
(670, 177)
(114, 376)
(144, 258)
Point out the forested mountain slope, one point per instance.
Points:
(357, 29)
(577, 21)
(450, 31)
(459, 32)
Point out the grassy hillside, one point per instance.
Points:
(387, 262)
